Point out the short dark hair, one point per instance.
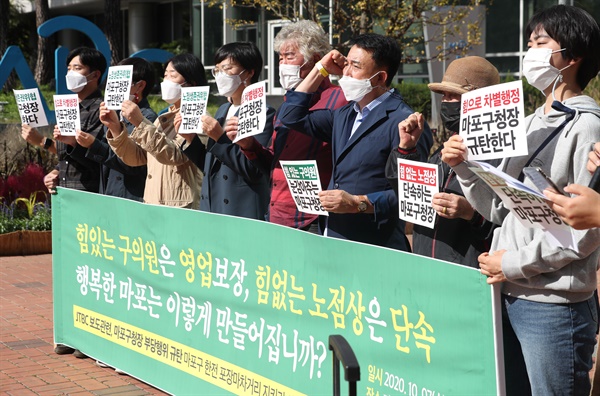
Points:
(385, 51)
(245, 53)
(575, 30)
(191, 68)
(142, 70)
(89, 57)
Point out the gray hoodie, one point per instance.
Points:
(536, 269)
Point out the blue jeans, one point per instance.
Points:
(548, 347)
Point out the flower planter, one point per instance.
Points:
(24, 243)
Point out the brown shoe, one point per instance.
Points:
(79, 355)
(63, 350)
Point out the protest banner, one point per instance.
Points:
(118, 86)
(66, 108)
(417, 184)
(30, 107)
(304, 183)
(201, 303)
(492, 121)
(253, 111)
(193, 106)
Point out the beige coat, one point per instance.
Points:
(172, 180)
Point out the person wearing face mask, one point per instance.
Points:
(361, 204)
(460, 234)
(172, 179)
(120, 179)
(85, 69)
(300, 46)
(232, 184)
(549, 313)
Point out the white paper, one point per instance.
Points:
(118, 85)
(492, 121)
(528, 205)
(30, 106)
(66, 108)
(252, 115)
(193, 106)
(304, 183)
(417, 184)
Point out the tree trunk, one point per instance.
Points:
(4, 15)
(43, 64)
(113, 28)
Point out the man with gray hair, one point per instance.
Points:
(300, 46)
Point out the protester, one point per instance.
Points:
(460, 234)
(582, 211)
(232, 184)
(119, 179)
(361, 204)
(549, 308)
(300, 46)
(172, 179)
(85, 69)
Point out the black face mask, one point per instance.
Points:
(450, 113)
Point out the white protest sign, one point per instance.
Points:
(30, 107)
(66, 108)
(417, 184)
(193, 106)
(303, 180)
(252, 115)
(528, 205)
(492, 121)
(118, 85)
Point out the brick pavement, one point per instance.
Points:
(28, 364)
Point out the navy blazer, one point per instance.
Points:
(232, 184)
(359, 162)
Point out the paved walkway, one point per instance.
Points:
(28, 364)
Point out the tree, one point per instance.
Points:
(113, 27)
(43, 64)
(401, 19)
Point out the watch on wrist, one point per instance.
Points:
(47, 143)
(362, 206)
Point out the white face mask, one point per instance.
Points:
(75, 81)
(227, 84)
(171, 91)
(537, 68)
(289, 76)
(355, 89)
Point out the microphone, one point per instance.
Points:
(595, 182)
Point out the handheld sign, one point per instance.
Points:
(417, 183)
(193, 106)
(30, 107)
(253, 111)
(303, 180)
(118, 85)
(66, 108)
(492, 121)
(528, 205)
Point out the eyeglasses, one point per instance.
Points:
(227, 69)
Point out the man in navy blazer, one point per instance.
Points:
(362, 205)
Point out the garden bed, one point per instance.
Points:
(25, 243)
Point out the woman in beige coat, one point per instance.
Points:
(172, 180)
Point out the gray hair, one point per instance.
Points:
(309, 36)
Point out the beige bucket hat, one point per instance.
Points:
(466, 74)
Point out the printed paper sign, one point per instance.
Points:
(528, 205)
(118, 85)
(30, 107)
(193, 106)
(417, 184)
(66, 108)
(492, 121)
(303, 180)
(253, 111)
